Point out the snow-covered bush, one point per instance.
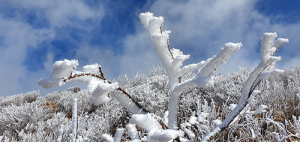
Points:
(282, 88)
(15, 118)
(19, 99)
(74, 89)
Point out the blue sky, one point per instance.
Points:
(35, 34)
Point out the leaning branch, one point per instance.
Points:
(202, 79)
(268, 48)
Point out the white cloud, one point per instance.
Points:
(60, 12)
(200, 28)
(109, 62)
(139, 54)
(17, 35)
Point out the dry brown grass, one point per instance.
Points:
(280, 116)
(51, 105)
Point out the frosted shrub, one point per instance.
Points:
(139, 79)
(226, 87)
(124, 82)
(282, 88)
(44, 130)
(19, 99)
(65, 99)
(157, 71)
(74, 89)
(153, 94)
(15, 118)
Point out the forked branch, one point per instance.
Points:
(268, 48)
(173, 60)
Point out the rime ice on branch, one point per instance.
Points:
(268, 48)
(173, 59)
(60, 70)
(100, 89)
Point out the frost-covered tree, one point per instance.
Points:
(168, 128)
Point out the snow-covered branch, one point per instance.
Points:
(74, 120)
(268, 48)
(100, 89)
(132, 132)
(173, 60)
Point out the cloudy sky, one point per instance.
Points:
(34, 34)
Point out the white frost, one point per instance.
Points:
(74, 120)
(118, 135)
(107, 137)
(252, 97)
(214, 132)
(252, 133)
(218, 59)
(260, 109)
(193, 120)
(189, 132)
(232, 106)
(60, 70)
(298, 89)
(202, 116)
(92, 69)
(134, 135)
(63, 68)
(126, 102)
(60, 133)
(166, 116)
(145, 17)
(99, 90)
(146, 121)
(164, 135)
(217, 122)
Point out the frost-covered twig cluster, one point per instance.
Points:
(73, 134)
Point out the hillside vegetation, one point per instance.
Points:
(29, 117)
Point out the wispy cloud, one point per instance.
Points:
(33, 34)
(17, 37)
(201, 28)
(57, 12)
(19, 34)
